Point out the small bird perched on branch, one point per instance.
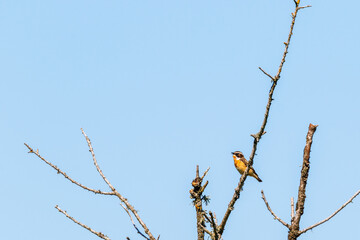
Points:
(241, 164)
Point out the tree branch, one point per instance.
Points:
(294, 228)
(261, 132)
(207, 170)
(91, 150)
(132, 221)
(207, 231)
(196, 194)
(115, 192)
(272, 213)
(294, 231)
(307, 6)
(213, 222)
(332, 215)
(272, 78)
(65, 175)
(99, 234)
(297, 8)
(292, 209)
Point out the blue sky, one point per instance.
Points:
(161, 86)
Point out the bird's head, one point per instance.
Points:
(238, 154)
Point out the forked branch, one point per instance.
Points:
(121, 198)
(196, 193)
(114, 192)
(296, 215)
(132, 221)
(64, 174)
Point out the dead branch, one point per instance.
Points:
(307, 6)
(271, 77)
(116, 193)
(99, 234)
(332, 215)
(294, 231)
(294, 228)
(65, 175)
(207, 170)
(206, 230)
(91, 150)
(196, 193)
(132, 221)
(213, 222)
(272, 213)
(261, 132)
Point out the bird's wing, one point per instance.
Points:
(244, 161)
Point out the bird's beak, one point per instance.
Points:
(232, 153)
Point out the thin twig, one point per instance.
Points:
(206, 216)
(258, 135)
(132, 221)
(292, 208)
(197, 171)
(65, 175)
(332, 215)
(205, 185)
(121, 198)
(95, 162)
(287, 44)
(272, 78)
(214, 226)
(99, 234)
(272, 213)
(132, 209)
(207, 170)
(216, 222)
(206, 230)
(307, 6)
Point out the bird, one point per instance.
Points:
(241, 164)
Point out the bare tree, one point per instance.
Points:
(294, 232)
(204, 217)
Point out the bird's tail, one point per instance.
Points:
(257, 177)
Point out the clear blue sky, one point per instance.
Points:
(161, 86)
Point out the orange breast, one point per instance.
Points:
(240, 166)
